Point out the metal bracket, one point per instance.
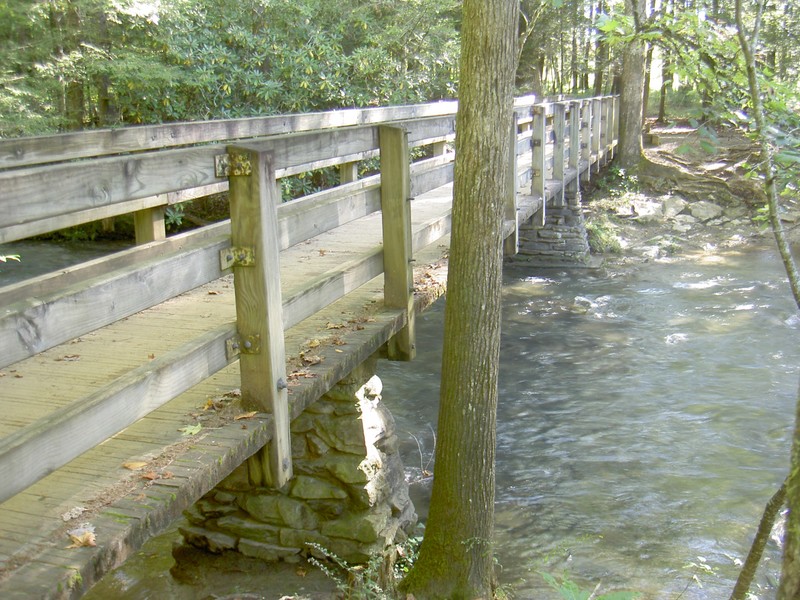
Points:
(231, 165)
(248, 344)
(536, 172)
(584, 145)
(236, 257)
(537, 143)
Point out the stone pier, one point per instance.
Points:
(561, 241)
(348, 493)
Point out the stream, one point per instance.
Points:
(644, 421)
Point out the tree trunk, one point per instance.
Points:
(631, 94)
(456, 558)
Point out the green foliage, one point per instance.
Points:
(569, 590)
(602, 237)
(354, 582)
(82, 63)
(173, 216)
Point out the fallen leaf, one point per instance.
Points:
(213, 293)
(167, 475)
(82, 537)
(151, 356)
(191, 429)
(69, 357)
(17, 375)
(337, 350)
(73, 513)
(313, 344)
(335, 326)
(135, 465)
(322, 252)
(301, 572)
(151, 475)
(235, 393)
(247, 415)
(311, 359)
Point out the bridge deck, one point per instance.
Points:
(173, 469)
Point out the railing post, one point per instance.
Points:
(597, 118)
(439, 148)
(511, 243)
(254, 198)
(348, 172)
(586, 138)
(612, 126)
(574, 150)
(538, 165)
(398, 275)
(149, 225)
(559, 131)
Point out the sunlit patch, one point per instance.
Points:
(744, 307)
(676, 338)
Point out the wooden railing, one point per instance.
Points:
(49, 183)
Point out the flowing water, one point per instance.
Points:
(644, 421)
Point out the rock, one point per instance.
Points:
(673, 206)
(705, 211)
(311, 488)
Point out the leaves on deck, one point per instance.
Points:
(82, 536)
(191, 429)
(135, 465)
(247, 415)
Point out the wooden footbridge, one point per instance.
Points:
(130, 385)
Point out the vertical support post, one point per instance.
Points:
(603, 157)
(559, 132)
(348, 172)
(597, 118)
(574, 150)
(538, 166)
(398, 275)
(439, 148)
(149, 225)
(254, 197)
(586, 138)
(612, 126)
(511, 243)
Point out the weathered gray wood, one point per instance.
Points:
(427, 175)
(36, 324)
(597, 129)
(348, 172)
(586, 138)
(149, 225)
(254, 197)
(559, 135)
(396, 213)
(35, 451)
(69, 146)
(538, 162)
(573, 187)
(511, 241)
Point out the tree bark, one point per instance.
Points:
(632, 94)
(456, 558)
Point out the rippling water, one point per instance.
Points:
(644, 421)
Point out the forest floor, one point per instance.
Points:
(693, 196)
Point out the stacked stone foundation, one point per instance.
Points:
(561, 241)
(348, 495)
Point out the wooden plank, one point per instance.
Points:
(427, 175)
(511, 241)
(397, 254)
(149, 225)
(69, 146)
(348, 172)
(538, 163)
(28, 193)
(254, 198)
(586, 139)
(29, 454)
(559, 135)
(573, 187)
(597, 128)
(36, 324)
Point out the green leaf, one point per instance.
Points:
(191, 429)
